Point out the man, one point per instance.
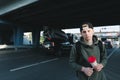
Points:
(82, 50)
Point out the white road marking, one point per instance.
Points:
(112, 52)
(23, 67)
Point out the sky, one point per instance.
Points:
(96, 29)
(76, 30)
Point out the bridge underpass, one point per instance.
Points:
(30, 65)
(36, 64)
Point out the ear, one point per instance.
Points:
(93, 32)
(80, 33)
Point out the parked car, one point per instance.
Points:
(53, 41)
(108, 44)
(116, 44)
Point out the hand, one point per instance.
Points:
(98, 67)
(87, 70)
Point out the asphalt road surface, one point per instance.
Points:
(37, 65)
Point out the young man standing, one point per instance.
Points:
(79, 56)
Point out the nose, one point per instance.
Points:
(87, 33)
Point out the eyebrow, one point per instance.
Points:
(86, 31)
(84, 26)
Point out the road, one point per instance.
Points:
(37, 65)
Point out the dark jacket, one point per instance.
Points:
(79, 55)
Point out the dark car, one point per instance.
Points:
(108, 44)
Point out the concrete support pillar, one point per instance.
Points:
(36, 37)
(18, 36)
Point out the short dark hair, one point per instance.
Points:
(88, 23)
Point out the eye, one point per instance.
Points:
(84, 31)
(88, 30)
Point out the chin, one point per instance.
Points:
(88, 39)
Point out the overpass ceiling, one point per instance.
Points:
(65, 13)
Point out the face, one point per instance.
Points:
(87, 32)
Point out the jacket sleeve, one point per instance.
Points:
(103, 56)
(73, 58)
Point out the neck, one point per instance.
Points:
(89, 42)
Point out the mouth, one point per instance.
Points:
(87, 36)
